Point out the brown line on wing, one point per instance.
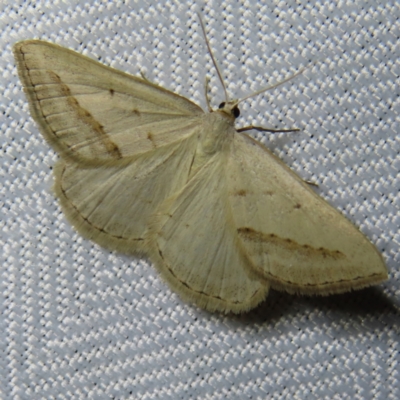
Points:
(87, 118)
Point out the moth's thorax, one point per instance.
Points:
(217, 133)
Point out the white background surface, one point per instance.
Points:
(80, 322)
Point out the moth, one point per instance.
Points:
(145, 171)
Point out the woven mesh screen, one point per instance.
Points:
(80, 322)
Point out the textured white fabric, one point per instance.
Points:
(80, 322)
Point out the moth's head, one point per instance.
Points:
(230, 108)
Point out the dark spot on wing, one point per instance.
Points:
(151, 138)
(241, 192)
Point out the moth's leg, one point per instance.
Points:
(144, 77)
(207, 81)
(262, 129)
(311, 183)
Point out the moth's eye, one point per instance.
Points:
(236, 112)
(222, 105)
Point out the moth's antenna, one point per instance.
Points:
(276, 84)
(212, 57)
